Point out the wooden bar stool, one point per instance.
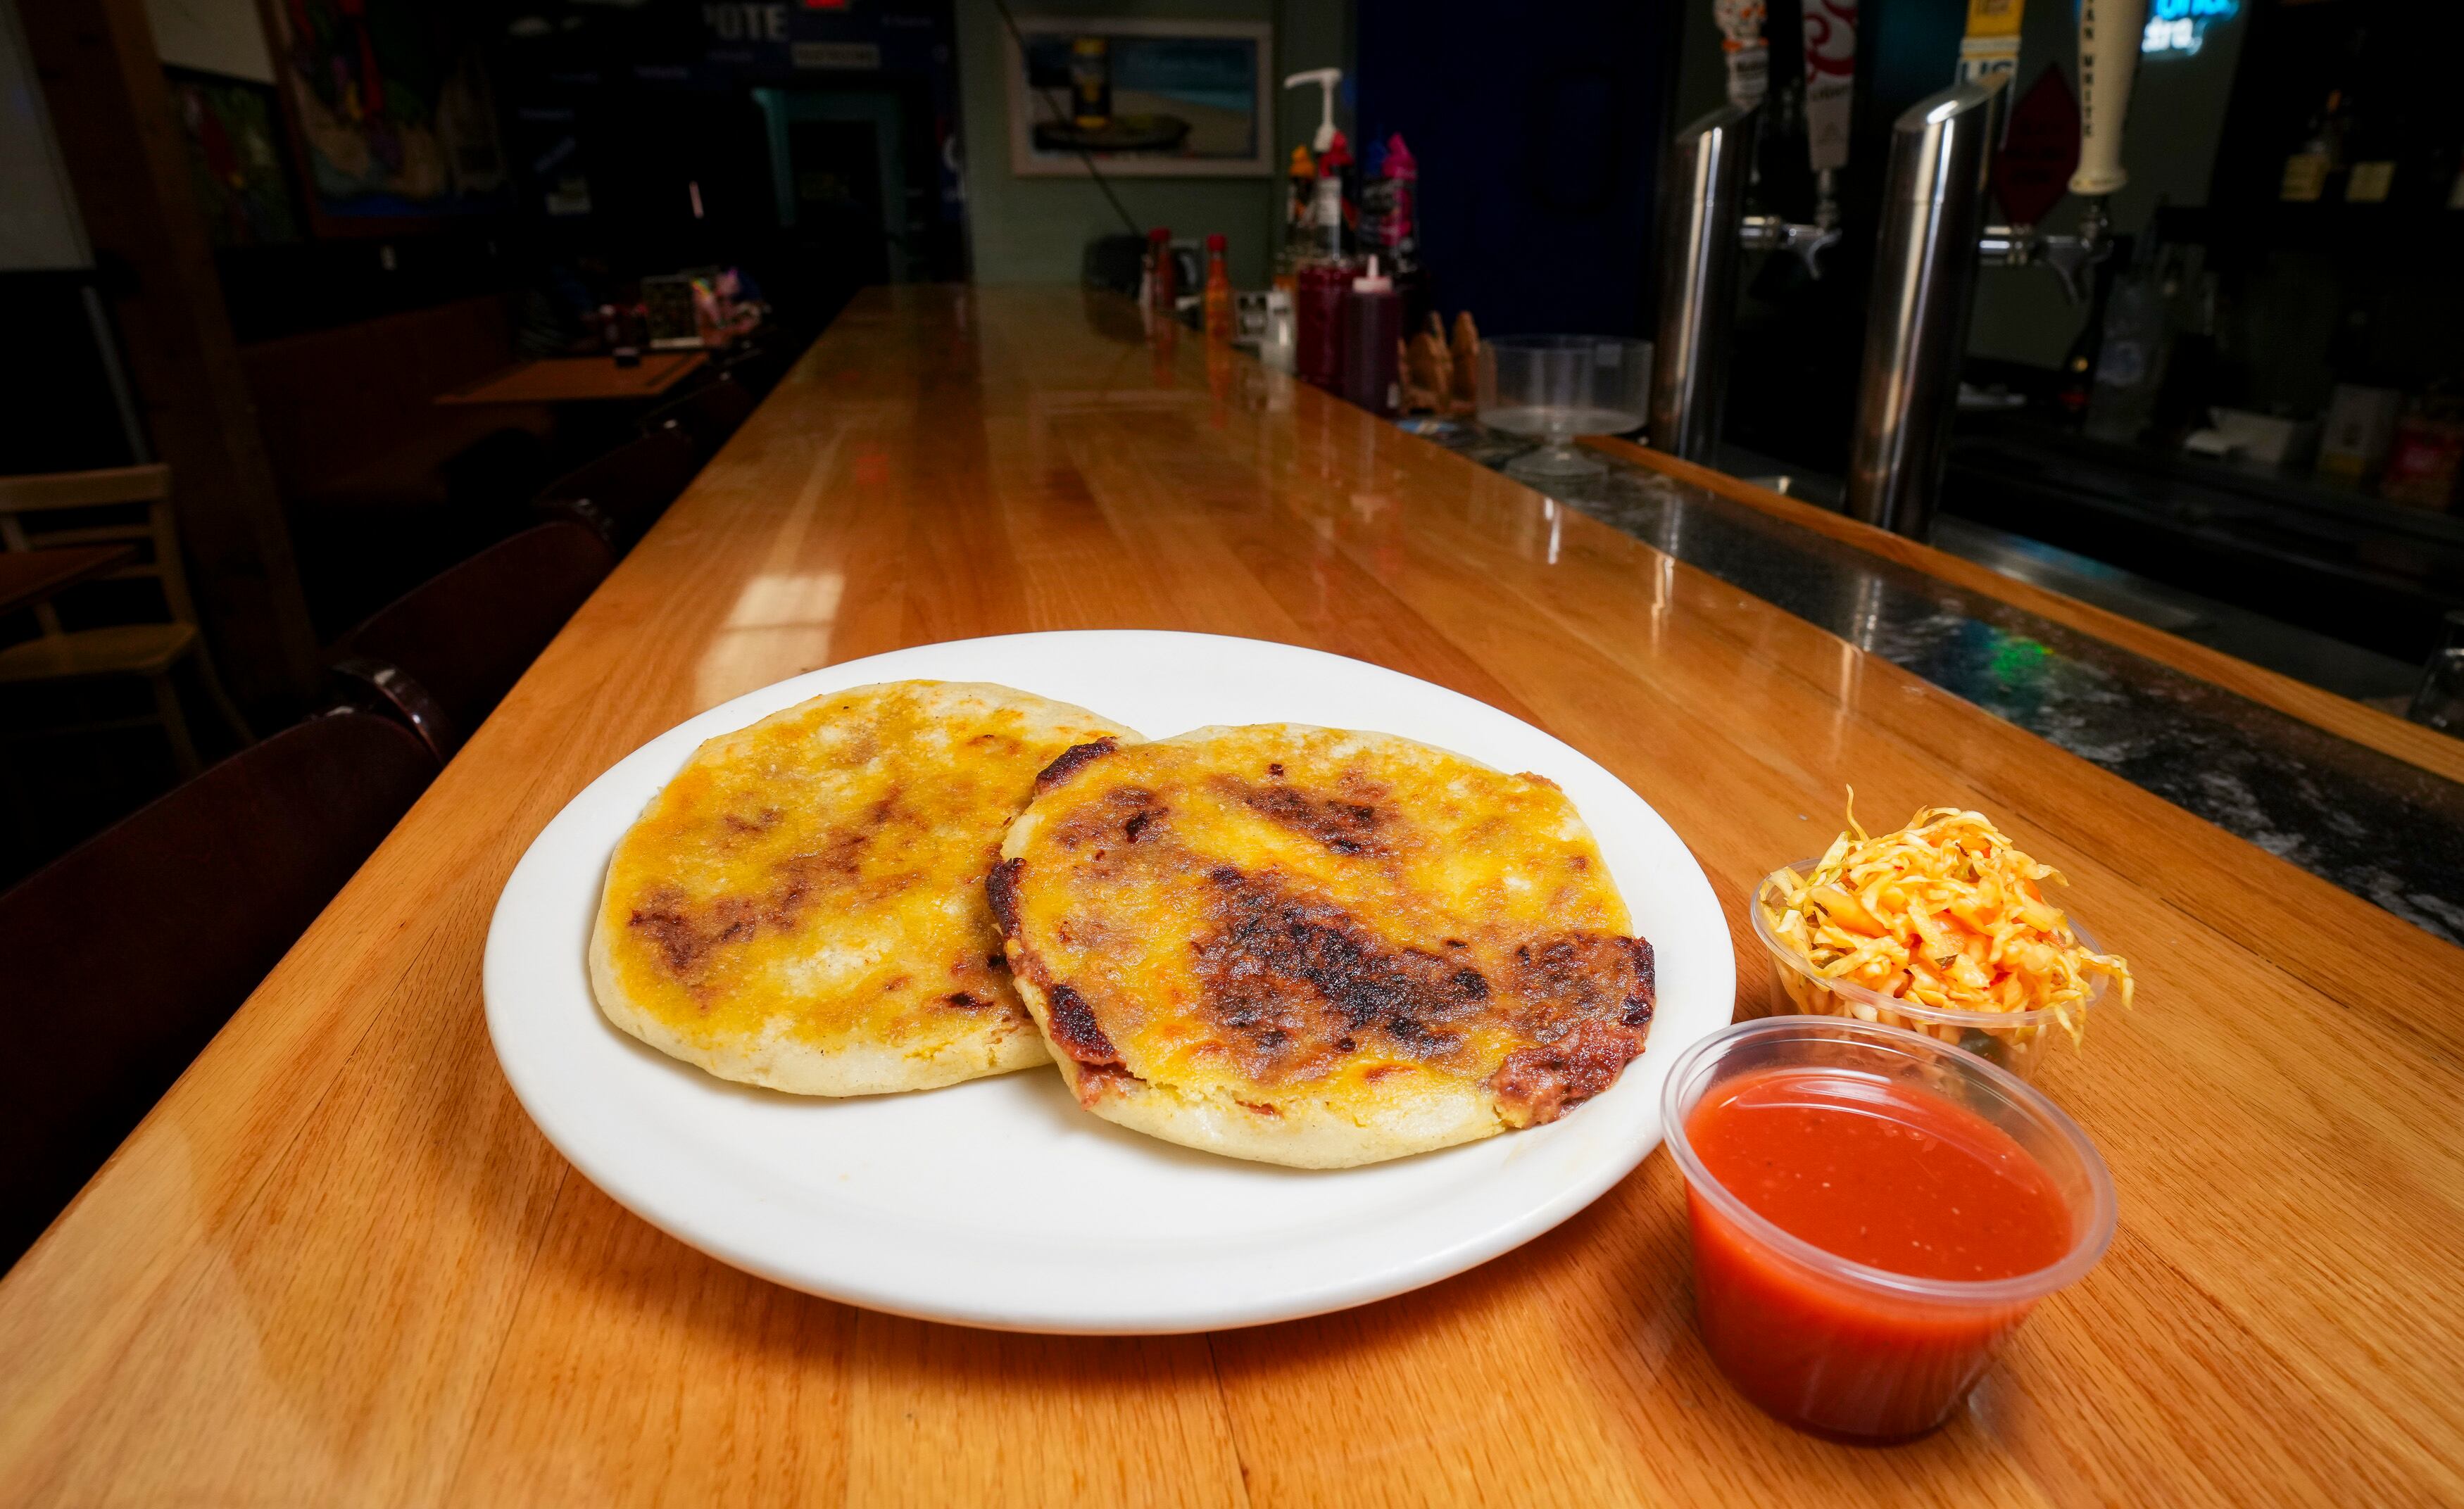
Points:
(466, 634)
(706, 416)
(128, 953)
(123, 504)
(622, 492)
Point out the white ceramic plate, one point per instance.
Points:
(998, 1202)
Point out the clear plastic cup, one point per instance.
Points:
(1557, 388)
(2014, 1040)
(1835, 1347)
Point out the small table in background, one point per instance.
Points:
(581, 379)
(32, 576)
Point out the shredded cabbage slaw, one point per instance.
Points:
(1945, 913)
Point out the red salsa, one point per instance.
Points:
(1884, 1174)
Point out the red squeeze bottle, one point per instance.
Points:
(1372, 334)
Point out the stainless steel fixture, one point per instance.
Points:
(2067, 257)
(1915, 322)
(1702, 201)
(1933, 239)
(1803, 242)
(1924, 269)
(1703, 228)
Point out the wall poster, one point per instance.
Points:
(1142, 99)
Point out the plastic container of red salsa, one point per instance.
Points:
(1874, 1211)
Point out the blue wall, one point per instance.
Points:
(1538, 133)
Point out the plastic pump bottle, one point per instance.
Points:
(1322, 279)
(1334, 152)
(1326, 79)
(1318, 293)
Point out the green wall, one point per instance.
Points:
(1034, 230)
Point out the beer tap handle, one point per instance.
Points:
(2109, 32)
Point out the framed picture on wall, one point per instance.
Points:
(234, 131)
(1142, 99)
(390, 113)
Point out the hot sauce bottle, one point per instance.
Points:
(1217, 296)
(1163, 278)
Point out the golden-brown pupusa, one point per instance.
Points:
(803, 906)
(1318, 947)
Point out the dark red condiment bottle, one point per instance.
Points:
(1372, 340)
(1319, 288)
(1317, 313)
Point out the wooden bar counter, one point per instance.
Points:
(338, 1265)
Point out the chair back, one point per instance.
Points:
(117, 505)
(756, 366)
(706, 416)
(126, 954)
(468, 633)
(622, 492)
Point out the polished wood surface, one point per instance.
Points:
(29, 577)
(580, 379)
(339, 1265)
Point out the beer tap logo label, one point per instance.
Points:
(1830, 79)
(1830, 38)
(1991, 45)
(1741, 40)
(2034, 169)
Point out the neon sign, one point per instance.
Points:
(2180, 27)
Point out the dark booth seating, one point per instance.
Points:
(466, 634)
(350, 415)
(756, 366)
(382, 485)
(706, 416)
(622, 492)
(126, 954)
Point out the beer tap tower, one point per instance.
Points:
(1703, 221)
(1703, 228)
(1933, 239)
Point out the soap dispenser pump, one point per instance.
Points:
(1326, 80)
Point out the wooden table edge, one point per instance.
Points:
(106, 559)
(472, 394)
(2364, 725)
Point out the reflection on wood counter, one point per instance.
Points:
(338, 1264)
(2359, 798)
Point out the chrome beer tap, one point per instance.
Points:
(2067, 257)
(1932, 241)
